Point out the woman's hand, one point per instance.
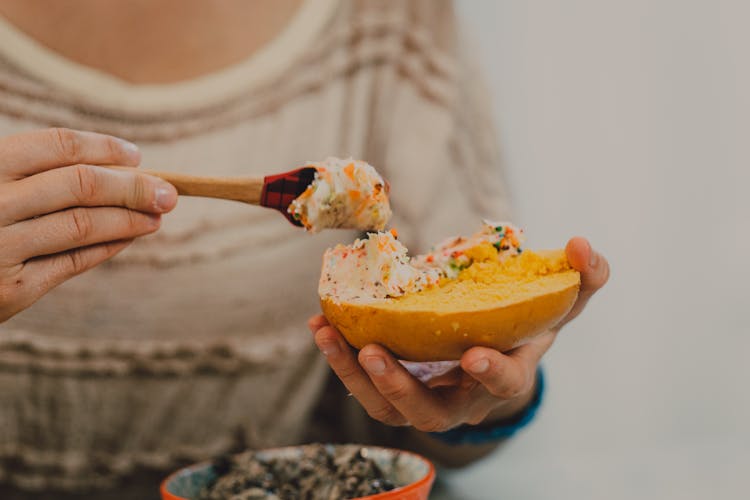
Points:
(60, 215)
(489, 386)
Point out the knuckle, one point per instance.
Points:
(498, 381)
(500, 389)
(80, 225)
(434, 423)
(386, 414)
(347, 371)
(508, 390)
(68, 144)
(84, 182)
(477, 418)
(499, 371)
(137, 224)
(76, 263)
(516, 390)
(132, 220)
(139, 191)
(395, 393)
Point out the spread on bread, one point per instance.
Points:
(378, 267)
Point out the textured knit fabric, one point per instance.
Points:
(193, 341)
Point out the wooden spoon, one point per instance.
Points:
(272, 191)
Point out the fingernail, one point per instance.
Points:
(129, 147)
(375, 365)
(480, 366)
(593, 258)
(328, 348)
(164, 198)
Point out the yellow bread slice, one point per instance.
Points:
(493, 304)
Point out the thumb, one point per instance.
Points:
(594, 270)
(593, 267)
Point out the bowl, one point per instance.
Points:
(414, 473)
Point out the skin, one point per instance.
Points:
(60, 215)
(489, 387)
(148, 41)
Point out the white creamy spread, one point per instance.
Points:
(378, 266)
(344, 194)
(371, 269)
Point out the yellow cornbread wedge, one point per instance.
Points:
(494, 304)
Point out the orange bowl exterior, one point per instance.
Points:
(418, 490)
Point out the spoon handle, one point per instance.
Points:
(245, 189)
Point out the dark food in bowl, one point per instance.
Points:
(320, 472)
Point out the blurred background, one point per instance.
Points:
(627, 122)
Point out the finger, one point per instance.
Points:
(593, 267)
(84, 186)
(40, 150)
(342, 360)
(75, 228)
(531, 352)
(42, 274)
(594, 270)
(504, 376)
(451, 378)
(317, 322)
(424, 409)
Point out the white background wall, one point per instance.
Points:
(628, 121)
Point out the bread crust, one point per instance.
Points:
(432, 335)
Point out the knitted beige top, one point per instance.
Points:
(193, 341)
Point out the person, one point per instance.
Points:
(139, 335)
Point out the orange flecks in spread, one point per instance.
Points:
(349, 171)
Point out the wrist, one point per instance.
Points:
(497, 427)
(510, 410)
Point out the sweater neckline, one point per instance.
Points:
(111, 93)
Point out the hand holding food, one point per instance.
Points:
(489, 385)
(60, 215)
